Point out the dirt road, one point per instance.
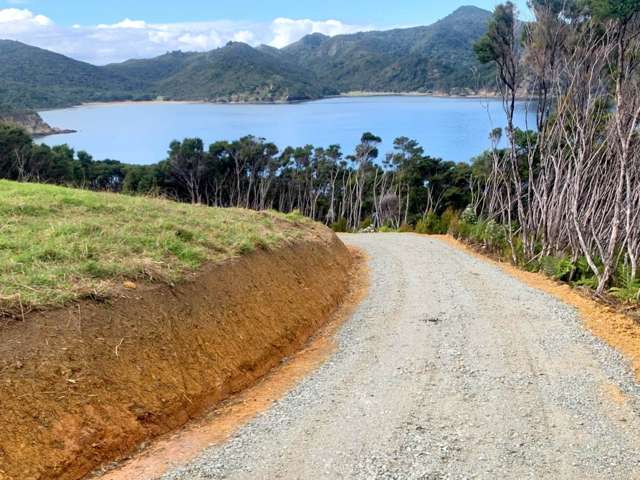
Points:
(449, 369)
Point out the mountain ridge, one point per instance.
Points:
(435, 59)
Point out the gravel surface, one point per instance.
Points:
(449, 369)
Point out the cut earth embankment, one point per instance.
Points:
(90, 381)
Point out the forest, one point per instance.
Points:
(347, 191)
(569, 201)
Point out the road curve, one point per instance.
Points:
(449, 369)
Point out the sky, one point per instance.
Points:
(108, 31)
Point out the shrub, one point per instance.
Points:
(559, 268)
(406, 228)
(446, 219)
(469, 216)
(430, 224)
(340, 225)
(366, 223)
(626, 287)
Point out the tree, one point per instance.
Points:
(187, 161)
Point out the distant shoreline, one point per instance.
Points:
(357, 94)
(354, 94)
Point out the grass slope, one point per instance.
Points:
(59, 244)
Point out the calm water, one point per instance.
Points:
(452, 129)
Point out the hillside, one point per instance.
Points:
(32, 77)
(423, 59)
(434, 59)
(48, 263)
(127, 316)
(238, 72)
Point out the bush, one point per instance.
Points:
(559, 268)
(446, 219)
(366, 223)
(340, 226)
(430, 224)
(406, 228)
(626, 287)
(469, 216)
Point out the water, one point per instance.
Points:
(449, 128)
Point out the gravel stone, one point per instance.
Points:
(449, 369)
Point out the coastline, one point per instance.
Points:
(354, 94)
(358, 94)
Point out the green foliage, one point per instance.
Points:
(495, 44)
(433, 224)
(626, 287)
(340, 225)
(469, 216)
(430, 224)
(33, 78)
(366, 223)
(621, 10)
(559, 268)
(422, 59)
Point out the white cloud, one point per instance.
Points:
(135, 38)
(287, 30)
(14, 20)
(126, 23)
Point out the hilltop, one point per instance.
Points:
(435, 58)
(430, 59)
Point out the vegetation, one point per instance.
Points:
(563, 198)
(566, 198)
(59, 244)
(322, 183)
(32, 78)
(240, 73)
(437, 58)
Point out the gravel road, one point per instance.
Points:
(449, 369)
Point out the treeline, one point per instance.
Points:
(344, 191)
(567, 197)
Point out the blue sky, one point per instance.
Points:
(108, 31)
(377, 12)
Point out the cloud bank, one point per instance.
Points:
(129, 38)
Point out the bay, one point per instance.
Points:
(454, 129)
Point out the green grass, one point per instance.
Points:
(59, 244)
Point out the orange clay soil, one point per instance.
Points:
(617, 329)
(216, 426)
(88, 384)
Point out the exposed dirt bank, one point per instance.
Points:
(218, 425)
(87, 384)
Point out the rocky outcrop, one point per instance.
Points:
(32, 123)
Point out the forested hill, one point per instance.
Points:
(32, 77)
(435, 59)
(235, 72)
